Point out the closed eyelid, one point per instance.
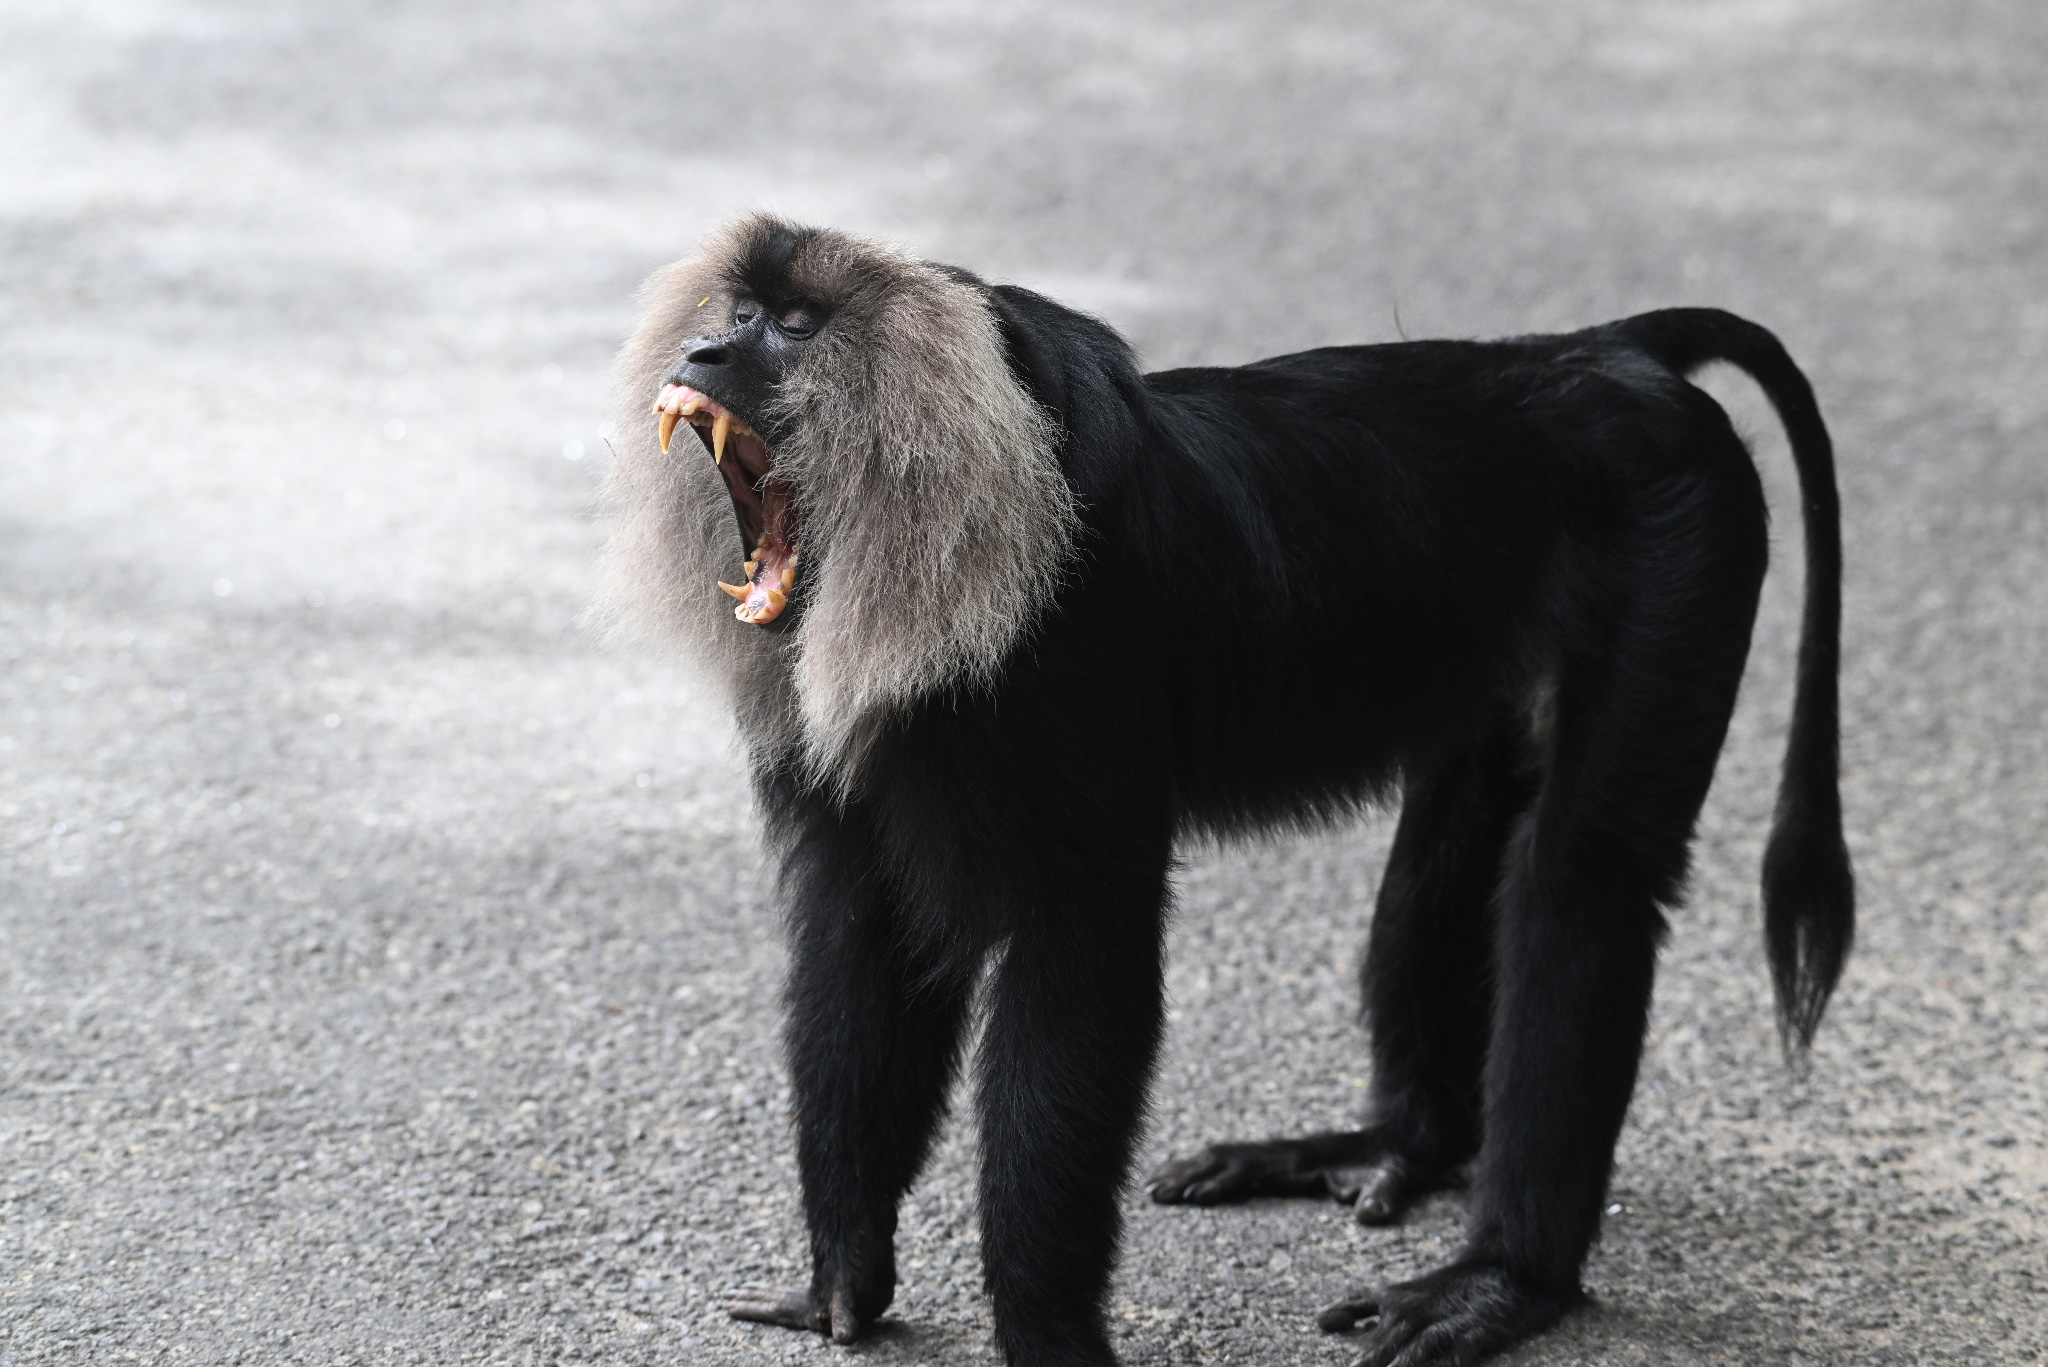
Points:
(800, 319)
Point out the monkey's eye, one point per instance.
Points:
(800, 320)
(744, 311)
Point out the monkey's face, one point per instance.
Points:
(857, 404)
(723, 380)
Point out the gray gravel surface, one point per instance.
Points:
(387, 971)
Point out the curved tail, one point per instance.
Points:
(1809, 890)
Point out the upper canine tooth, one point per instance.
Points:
(719, 429)
(668, 427)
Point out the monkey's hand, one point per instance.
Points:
(842, 1302)
(793, 1308)
(789, 1306)
(1369, 1170)
(1456, 1314)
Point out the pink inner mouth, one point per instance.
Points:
(768, 521)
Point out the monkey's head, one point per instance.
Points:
(865, 459)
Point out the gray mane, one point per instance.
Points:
(935, 521)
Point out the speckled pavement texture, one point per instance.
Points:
(388, 970)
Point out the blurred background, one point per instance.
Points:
(387, 970)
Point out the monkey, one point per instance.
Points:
(1009, 620)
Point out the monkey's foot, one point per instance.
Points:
(1457, 1314)
(795, 1308)
(1364, 1169)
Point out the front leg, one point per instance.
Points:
(873, 1038)
(850, 1288)
(1073, 1030)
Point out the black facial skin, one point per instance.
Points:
(741, 366)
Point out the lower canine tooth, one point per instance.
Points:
(720, 428)
(668, 427)
(734, 589)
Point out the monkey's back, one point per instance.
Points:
(1295, 644)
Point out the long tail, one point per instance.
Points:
(1809, 890)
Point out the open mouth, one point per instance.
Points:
(767, 515)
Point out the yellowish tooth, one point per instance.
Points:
(776, 599)
(788, 578)
(691, 405)
(668, 427)
(719, 430)
(735, 590)
(749, 567)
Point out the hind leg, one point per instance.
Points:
(1427, 1001)
(1590, 869)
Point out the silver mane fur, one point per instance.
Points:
(935, 522)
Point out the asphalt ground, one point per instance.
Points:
(388, 970)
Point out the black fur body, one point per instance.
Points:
(1512, 583)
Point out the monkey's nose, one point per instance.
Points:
(707, 351)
